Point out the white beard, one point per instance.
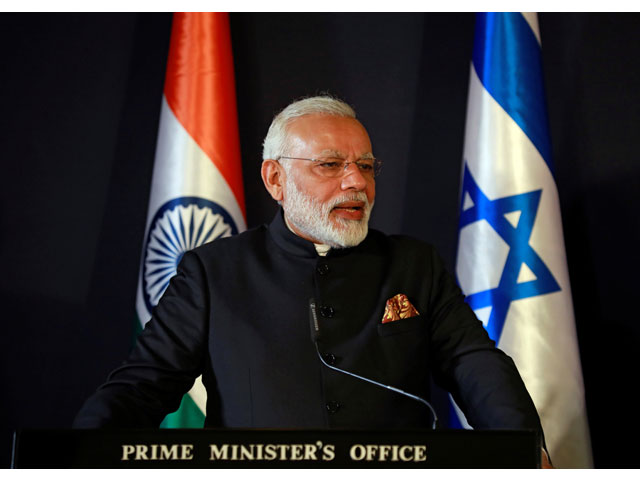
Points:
(311, 217)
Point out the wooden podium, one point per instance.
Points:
(230, 448)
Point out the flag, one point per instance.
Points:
(196, 189)
(511, 258)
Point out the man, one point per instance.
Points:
(237, 310)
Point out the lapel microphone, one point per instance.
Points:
(315, 336)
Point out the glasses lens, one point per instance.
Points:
(329, 166)
(335, 167)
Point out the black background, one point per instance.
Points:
(80, 100)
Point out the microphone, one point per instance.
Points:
(315, 336)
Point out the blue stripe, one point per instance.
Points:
(453, 419)
(506, 57)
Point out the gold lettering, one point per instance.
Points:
(219, 453)
(126, 451)
(296, 452)
(141, 452)
(234, 452)
(328, 453)
(270, 452)
(156, 452)
(283, 451)
(310, 451)
(246, 453)
(357, 452)
(258, 453)
(403, 456)
(384, 452)
(420, 453)
(394, 453)
(168, 453)
(186, 452)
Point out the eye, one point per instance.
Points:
(365, 166)
(331, 163)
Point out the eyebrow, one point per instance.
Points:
(337, 154)
(331, 153)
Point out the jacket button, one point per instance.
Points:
(327, 312)
(333, 406)
(330, 358)
(322, 269)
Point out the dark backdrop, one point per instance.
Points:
(79, 102)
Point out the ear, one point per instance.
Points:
(273, 176)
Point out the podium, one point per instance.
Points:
(233, 448)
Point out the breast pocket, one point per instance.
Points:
(404, 325)
(404, 348)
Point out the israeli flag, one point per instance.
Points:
(511, 258)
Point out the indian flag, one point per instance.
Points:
(196, 190)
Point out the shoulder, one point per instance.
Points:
(405, 241)
(245, 241)
(406, 252)
(400, 244)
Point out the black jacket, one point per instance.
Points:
(237, 312)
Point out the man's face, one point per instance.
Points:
(330, 210)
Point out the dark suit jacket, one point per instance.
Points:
(237, 312)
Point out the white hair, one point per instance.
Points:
(275, 143)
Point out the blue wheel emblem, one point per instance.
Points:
(179, 225)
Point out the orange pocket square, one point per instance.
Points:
(397, 308)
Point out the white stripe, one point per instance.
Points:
(181, 169)
(463, 420)
(198, 394)
(532, 20)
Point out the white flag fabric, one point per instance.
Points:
(511, 260)
(196, 191)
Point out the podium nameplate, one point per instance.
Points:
(232, 448)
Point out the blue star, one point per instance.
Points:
(520, 252)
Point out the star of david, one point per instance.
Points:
(497, 213)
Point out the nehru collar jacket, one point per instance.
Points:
(237, 313)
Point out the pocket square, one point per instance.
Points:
(397, 308)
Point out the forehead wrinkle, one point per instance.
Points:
(337, 154)
(328, 152)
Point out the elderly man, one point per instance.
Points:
(237, 310)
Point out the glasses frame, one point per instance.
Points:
(377, 164)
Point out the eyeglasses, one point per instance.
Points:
(335, 167)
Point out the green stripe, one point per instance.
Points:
(188, 415)
(137, 330)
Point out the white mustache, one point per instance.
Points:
(350, 197)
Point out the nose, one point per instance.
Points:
(353, 178)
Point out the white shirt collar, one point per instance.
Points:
(321, 248)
